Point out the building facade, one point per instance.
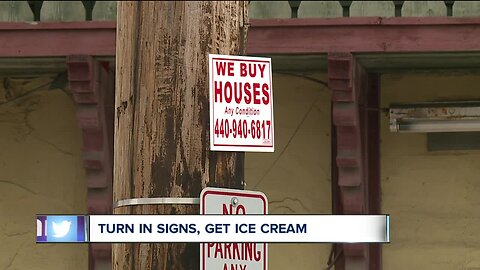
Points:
(338, 68)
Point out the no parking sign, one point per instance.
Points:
(233, 256)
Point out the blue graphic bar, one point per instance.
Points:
(62, 229)
(213, 228)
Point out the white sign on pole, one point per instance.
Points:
(241, 103)
(233, 256)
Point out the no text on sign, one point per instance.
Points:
(233, 256)
(241, 103)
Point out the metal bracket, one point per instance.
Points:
(146, 201)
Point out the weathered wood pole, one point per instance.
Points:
(162, 114)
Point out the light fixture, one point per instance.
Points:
(461, 116)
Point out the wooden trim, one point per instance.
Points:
(363, 21)
(363, 35)
(355, 156)
(337, 257)
(371, 114)
(83, 25)
(57, 39)
(92, 85)
(266, 36)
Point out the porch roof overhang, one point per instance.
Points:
(364, 35)
(50, 39)
(381, 44)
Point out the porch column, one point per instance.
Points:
(92, 86)
(355, 152)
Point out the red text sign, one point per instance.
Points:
(233, 256)
(241, 103)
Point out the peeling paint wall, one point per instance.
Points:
(40, 173)
(296, 178)
(432, 197)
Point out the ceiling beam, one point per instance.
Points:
(363, 35)
(50, 39)
(379, 43)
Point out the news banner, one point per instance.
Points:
(213, 228)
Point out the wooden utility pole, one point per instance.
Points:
(162, 114)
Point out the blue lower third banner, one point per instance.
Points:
(62, 229)
(213, 228)
(239, 228)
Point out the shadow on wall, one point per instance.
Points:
(41, 172)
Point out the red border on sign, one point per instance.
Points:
(230, 59)
(238, 194)
(271, 105)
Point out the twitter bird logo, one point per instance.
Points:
(65, 229)
(62, 229)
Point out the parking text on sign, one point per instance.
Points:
(233, 256)
(241, 104)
